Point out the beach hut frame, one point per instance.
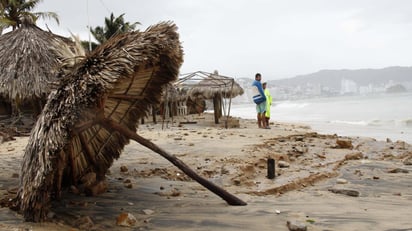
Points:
(219, 88)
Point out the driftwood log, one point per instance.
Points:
(94, 112)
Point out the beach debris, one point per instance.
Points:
(322, 156)
(148, 211)
(354, 156)
(294, 185)
(174, 192)
(301, 149)
(296, 226)
(232, 123)
(5, 136)
(347, 192)
(388, 155)
(126, 220)
(407, 161)
(127, 183)
(237, 182)
(358, 172)
(398, 170)
(344, 144)
(89, 185)
(186, 122)
(123, 169)
(96, 189)
(88, 179)
(400, 145)
(84, 223)
(311, 221)
(283, 164)
(73, 189)
(297, 138)
(341, 181)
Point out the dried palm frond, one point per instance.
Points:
(70, 54)
(116, 83)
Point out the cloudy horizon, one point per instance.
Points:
(276, 38)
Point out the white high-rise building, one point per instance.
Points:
(348, 86)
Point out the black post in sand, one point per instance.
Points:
(271, 168)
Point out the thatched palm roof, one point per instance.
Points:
(207, 85)
(28, 62)
(114, 86)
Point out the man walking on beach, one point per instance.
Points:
(268, 104)
(260, 100)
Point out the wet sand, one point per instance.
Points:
(313, 173)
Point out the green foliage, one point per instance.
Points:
(13, 13)
(112, 26)
(89, 46)
(310, 221)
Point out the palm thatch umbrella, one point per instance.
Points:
(88, 120)
(28, 63)
(211, 86)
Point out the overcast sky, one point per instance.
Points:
(278, 38)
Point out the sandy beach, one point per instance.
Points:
(322, 181)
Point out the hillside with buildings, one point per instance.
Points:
(328, 83)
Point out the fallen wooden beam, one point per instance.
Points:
(188, 122)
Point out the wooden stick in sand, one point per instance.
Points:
(229, 198)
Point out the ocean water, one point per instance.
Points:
(379, 116)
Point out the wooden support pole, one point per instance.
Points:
(271, 168)
(154, 111)
(216, 108)
(229, 198)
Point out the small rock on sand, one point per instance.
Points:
(283, 164)
(126, 219)
(344, 143)
(348, 192)
(295, 226)
(341, 181)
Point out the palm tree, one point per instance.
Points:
(14, 12)
(113, 26)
